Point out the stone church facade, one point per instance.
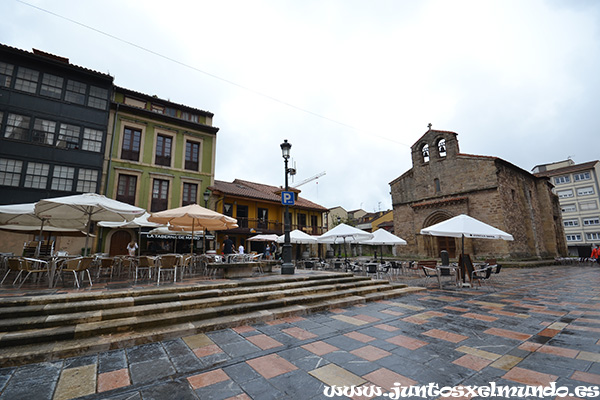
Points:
(443, 183)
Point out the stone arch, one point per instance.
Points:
(441, 148)
(435, 244)
(425, 155)
(117, 239)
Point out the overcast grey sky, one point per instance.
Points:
(350, 84)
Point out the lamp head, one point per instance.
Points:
(285, 149)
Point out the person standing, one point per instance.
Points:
(241, 249)
(227, 247)
(132, 248)
(267, 252)
(596, 254)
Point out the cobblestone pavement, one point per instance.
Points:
(540, 325)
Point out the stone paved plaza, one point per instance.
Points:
(535, 326)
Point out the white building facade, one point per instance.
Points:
(578, 190)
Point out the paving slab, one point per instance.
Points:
(538, 326)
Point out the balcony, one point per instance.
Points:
(252, 225)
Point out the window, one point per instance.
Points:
(87, 181)
(591, 221)
(193, 118)
(68, 136)
(6, 71)
(43, 131)
(228, 209)
(52, 86)
(192, 155)
(37, 175)
(570, 222)
(562, 179)
(92, 140)
(569, 208)
(442, 147)
(585, 191)
(565, 193)
(157, 109)
(592, 236)
(436, 183)
(62, 178)
(574, 238)
(10, 172)
(126, 188)
(301, 220)
(163, 150)
(263, 218)
(584, 176)
(314, 222)
(242, 216)
(131, 144)
(27, 80)
(98, 98)
(170, 111)
(425, 152)
(190, 194)
(588, 205)
(160, 193)
(75, 92)
(17, 127)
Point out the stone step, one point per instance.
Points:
(38, 317)
(53, 305)
(46, 351)
(133, 318)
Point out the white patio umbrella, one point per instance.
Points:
(298, 237)
(85, 208)
(381, 237)
(136, 223)
(192, 217)
(345, 233)
(22, 218)
(263, 238)
(463, 226)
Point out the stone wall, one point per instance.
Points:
(487, 188)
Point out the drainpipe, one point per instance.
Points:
(112, 143)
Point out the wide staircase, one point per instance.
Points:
(47, 327)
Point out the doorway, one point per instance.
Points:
(448, 244)
(118, 243)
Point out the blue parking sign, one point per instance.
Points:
(287, 198)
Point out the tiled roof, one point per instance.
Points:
(52, 58)
(569, 169)
(259, 191)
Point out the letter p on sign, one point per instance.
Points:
(287, 198)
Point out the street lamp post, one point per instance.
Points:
(287, 268)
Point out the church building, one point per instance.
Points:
(443, 183)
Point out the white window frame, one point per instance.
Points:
(588, 205)
(582, 176)
(564, 194)
(585, 191)
(559, 180)
(570, 222)
(567, 208)
(575, 237)
(591, 221)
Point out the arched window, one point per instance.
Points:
(425, 152)
(441, 145)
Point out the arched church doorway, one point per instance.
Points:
(439, 243)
